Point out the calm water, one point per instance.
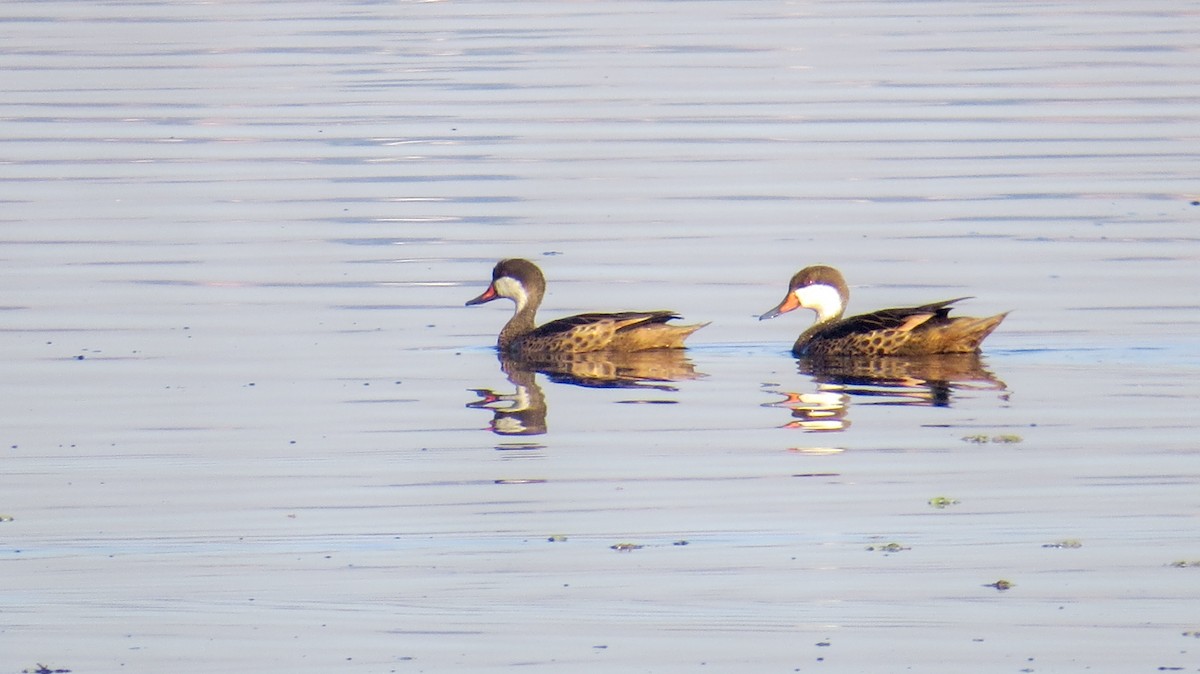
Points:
(248, 424)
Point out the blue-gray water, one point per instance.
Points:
(246, 422)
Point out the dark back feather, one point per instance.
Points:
(569, 323)
(888, 319)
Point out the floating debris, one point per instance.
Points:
(942, 502)
(1069, 543)
(43, 669)
(983, 439)
(680, 542)
(888, 547)
(557, 538)
(1001, 585)
(626, 547)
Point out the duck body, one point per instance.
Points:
(522, 282)
(903, 331)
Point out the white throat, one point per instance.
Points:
(507, 286)
(821, 298)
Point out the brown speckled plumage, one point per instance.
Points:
(905, 331)
(523, 283)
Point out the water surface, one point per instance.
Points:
(250, 425)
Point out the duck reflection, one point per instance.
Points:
(523, 412)
(929, 381)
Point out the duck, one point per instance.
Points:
(904, 331)
(522, 282)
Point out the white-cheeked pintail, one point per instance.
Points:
(904, 331)
(522, 282)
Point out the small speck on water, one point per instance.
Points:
(888, 548)
(941, 502)
(44, 669)
(1069, 543)
(982, 439)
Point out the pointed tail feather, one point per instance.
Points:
(971, 332)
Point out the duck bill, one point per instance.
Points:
(487, 296)
(789, 303)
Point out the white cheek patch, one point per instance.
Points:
(507, 286)
(821, 298)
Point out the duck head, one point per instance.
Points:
(820, 288)
(515, 279)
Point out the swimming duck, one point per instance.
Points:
(522, 282)
(906, 331)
